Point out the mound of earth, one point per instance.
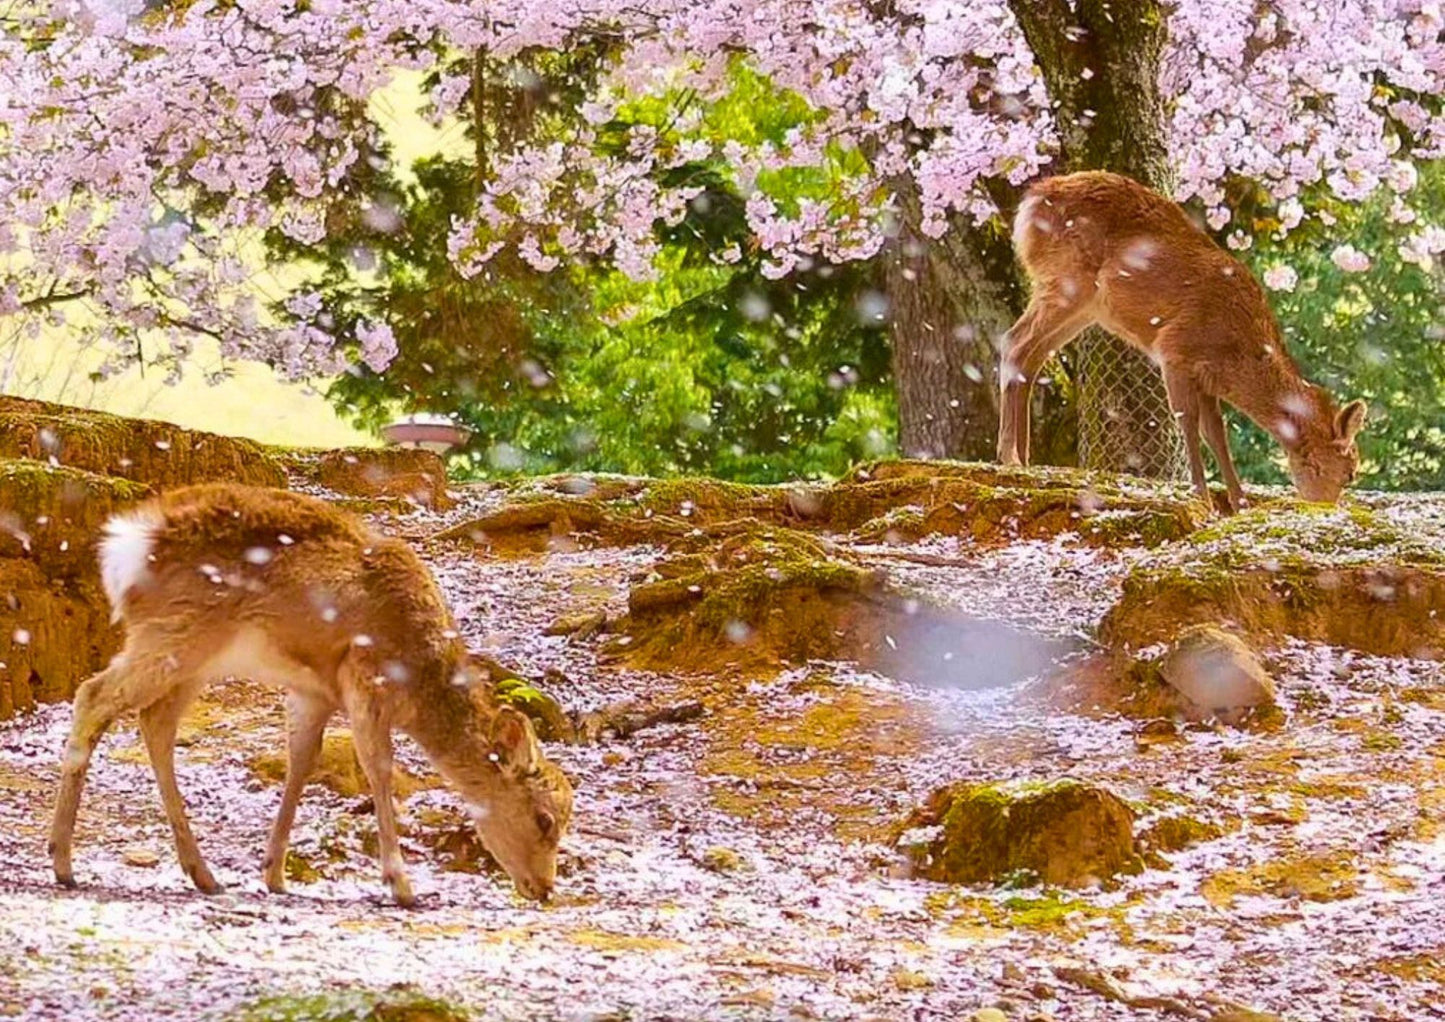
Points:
(885, 502)
(1206, 676)
(1065, 833)
(902, 501)
(1346, 576)
(771, 596)
(158, 453)
(54, 621)
(403, 473)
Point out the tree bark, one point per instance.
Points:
(1101, 60)
(948, 301)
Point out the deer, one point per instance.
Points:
(222, 580)
(1102, 249)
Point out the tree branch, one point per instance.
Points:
(53, 297)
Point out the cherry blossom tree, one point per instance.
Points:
(148, 149)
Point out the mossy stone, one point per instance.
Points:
(1065, 833)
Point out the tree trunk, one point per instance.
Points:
(951, 302)
(946, 307)
(1101, 62)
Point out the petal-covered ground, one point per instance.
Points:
(742, 865)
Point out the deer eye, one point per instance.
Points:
(546, 822)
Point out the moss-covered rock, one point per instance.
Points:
(548, 718)
(52, 515)
(396, 1005)
(1065, 833)
(158, 453)
(1342, 575)
(406, 473)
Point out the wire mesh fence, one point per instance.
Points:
(1125, 424)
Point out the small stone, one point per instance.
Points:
(722, 860)
(908, 979)
(142, 857)
(988, 1015)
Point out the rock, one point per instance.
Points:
(143, 858)
(988, 1015)
(722, 860)
(1338, 575)
(408, 473)
(578, 626)
(1217, 675)
(157, 453)
(908, 979)
(548, 718)
(1065, 832)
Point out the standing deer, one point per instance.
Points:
(222, 580)
(1102, 249)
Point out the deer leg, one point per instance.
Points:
(306, 725)
(1212, 419)
(1184, 399)
(158, 723)
(1049, 323)
(372, 731)
(129, 681)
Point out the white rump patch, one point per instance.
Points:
(125, 553)
(1026, 219)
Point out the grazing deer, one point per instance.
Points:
(222, 580)
(1103, 249)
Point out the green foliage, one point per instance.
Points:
(712, 367)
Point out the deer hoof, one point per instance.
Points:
(202, 878)
(401, 891)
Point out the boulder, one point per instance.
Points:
(1064, 832)
(1217, 676)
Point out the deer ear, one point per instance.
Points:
(513, 742)
(1349, 420)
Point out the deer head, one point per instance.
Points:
(526, 813)
(1323, 458)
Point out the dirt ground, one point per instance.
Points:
(741, 865)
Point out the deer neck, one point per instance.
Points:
(1285, 405)
(453, 728)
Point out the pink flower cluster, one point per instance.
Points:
(146, 150)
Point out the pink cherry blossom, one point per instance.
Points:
(147, 147)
